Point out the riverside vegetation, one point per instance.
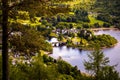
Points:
(31, 23)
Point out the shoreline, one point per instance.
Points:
(98, 29)
(91, 49)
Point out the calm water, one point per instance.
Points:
(75, 57)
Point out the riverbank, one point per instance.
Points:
(90, 48)
(98, 29)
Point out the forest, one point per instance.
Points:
(27, 26)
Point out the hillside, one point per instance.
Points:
(28, 27)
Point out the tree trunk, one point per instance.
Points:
(5, 68)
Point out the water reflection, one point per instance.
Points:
(76, 57)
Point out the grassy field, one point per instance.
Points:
(93, 20)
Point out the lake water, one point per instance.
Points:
(76, 57)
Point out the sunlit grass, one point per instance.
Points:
(93, 20)
(76, 39)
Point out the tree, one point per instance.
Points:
(28, 42)
(104, 17)
(82, 15)
(0, 67)
(98, 66)
(64, 67)
(109, 73)
(5, 71)
(6, 7)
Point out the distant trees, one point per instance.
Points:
(82, 15)
(97, 25)
(104, 17)
(106, 25)
(98, 66)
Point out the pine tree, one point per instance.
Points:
(99, 68)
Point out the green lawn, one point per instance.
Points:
(93, 20)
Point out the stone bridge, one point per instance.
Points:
(57, 44)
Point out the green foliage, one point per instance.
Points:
(104, 17)
(85, 25)
(82, 15)
(44, 22)
(98, 66)
(63, 67)
(66, 77)
(69, 72)
(60, 37)
(46, 31)
(38, 69)
(106, 25)
(69, 43)
(31, 41)
(28, 41)
(96, 62)
(93, 19)
(86, 34)
(53, 35)
(96, 25)
(23, 15)
(105, 40)
(18, 72)
(109, 10)
(62, 25)
(109, 73)
(47, 59)
(42, 72)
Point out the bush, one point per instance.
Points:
(64, 67)
(97, 25)
(104, 17)
(86, 25)
(106, 25)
